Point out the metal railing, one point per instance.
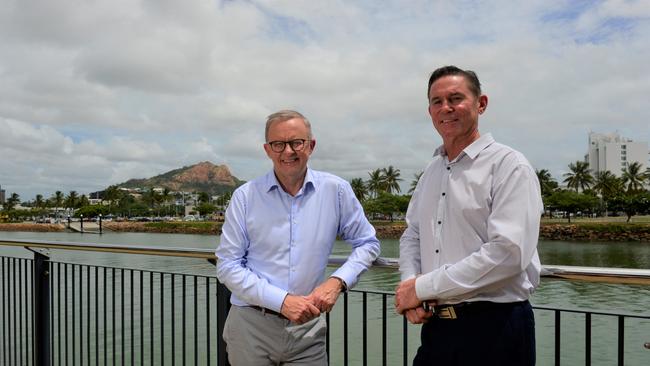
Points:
(56, 313)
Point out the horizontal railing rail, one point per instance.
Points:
(55, 313)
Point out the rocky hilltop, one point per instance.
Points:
(201, 177)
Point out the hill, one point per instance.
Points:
(201, 177)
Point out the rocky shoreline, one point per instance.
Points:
(609, 232)
(45, 228)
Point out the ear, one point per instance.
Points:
(482, 103)
(312, 145)
(268, 150)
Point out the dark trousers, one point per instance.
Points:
(483, 334)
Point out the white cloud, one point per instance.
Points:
(95, 93)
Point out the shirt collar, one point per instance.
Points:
(309, 183)
(473, 149)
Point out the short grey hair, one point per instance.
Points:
(285, 115)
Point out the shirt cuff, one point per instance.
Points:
(274, 298)
(349, 278)
(423, 288)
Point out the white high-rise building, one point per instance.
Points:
(611, 151)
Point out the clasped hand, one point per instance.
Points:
(301, 309)
(408, 304)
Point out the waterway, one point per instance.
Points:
(554, 293)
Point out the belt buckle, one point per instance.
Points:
(446, 312)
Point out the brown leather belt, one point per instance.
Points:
(267, 311)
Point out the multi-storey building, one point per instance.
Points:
(611, 151)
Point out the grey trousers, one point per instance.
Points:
(254, 338)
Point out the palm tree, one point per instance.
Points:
(414, 182)
(359, 188)
(150, 197)
(607, 184)
(391, 179)
(546, 182)
(38, 201)
(83, 201)
(72, 200)
(112, 194)
(11, 202)
(204, 197)
(57, 199)
(580, 176)
(633, 177)
(166, 195)
(376, 182)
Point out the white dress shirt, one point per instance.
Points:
(473, 225)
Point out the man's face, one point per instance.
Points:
(289, 164)
(453, 108)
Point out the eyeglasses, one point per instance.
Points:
(296, 145)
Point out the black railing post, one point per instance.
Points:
(223, 306)
(41, 298)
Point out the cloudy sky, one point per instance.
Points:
(93, 93)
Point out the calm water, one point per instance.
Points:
(556, 293)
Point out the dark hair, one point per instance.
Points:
(469, 75)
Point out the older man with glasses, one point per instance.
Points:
(279, 232)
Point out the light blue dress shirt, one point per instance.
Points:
(274, 244)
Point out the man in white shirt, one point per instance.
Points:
(468, 258)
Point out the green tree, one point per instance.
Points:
(205, 208)
(579, 176)
(204, 197)
(546, 182)
(83, 201)
(386, 204)
(11, 202)
(414, 182)
(359, 188)
(633, 177)
(375, 183)
(631, 204)
(391, 178)
(150, 198)
(90, 211)
(112, 194)
(39, 202)
(166, 196)
(607, 184)
(571, 202)
(71, 200)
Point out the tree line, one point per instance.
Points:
(600, 193)
(113, 201)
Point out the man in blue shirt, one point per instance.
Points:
(278, 234)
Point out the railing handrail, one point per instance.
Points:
(113, 248)
(208, 254)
